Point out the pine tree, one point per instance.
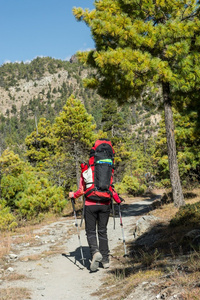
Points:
(188, 146)
(41, 143)
(113, 123)
(141, 45)
(25, 190)
(75, 129)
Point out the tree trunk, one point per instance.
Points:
(77, 167)
(77, 164)
(0, 183)
(171, 147)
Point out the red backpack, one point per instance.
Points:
(98, 174)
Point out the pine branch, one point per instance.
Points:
(192, 15)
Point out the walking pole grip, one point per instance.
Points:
(73, 203)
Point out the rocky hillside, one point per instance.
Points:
(41, 88)
(17, 89)
(24, 91)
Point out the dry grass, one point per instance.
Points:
(23, 234)
(55, 249)
(5, 244)
(14, 277)
(165, 262)
(8, 240)
(167, 211)
(15, 294)
(122, 279)
(192, 294)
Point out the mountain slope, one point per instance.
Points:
(41, 88)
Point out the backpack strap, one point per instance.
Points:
(89, 192)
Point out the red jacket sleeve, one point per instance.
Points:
(81, 188)
(115, 196)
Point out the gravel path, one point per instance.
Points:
(62, 276)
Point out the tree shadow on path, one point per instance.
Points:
(76, 258)
(139, 208)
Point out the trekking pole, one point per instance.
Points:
(83, 212)
(121, 224)
(79, 238)
(113, 212)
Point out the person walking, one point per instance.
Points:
(97, 201)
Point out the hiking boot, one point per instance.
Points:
(97, 258)
(105, 264)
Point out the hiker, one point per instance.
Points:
(98, 192)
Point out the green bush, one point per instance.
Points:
(187, 215)
(130, 185)
(27, 192)
(165, 183)
(7, 220)
(40, 197)
(147, 122)
(11, 186)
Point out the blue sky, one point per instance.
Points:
(31, 28)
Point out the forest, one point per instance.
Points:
(142, 77)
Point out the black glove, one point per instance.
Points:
(122, 200)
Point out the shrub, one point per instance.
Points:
(187, 215)
(165, 183)
(40, 197)
(26, 191)
(12, 185)
(147, 122)
(7, 220)
(130, 185)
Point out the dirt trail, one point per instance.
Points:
(62, 276)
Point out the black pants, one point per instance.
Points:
(96, 218)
